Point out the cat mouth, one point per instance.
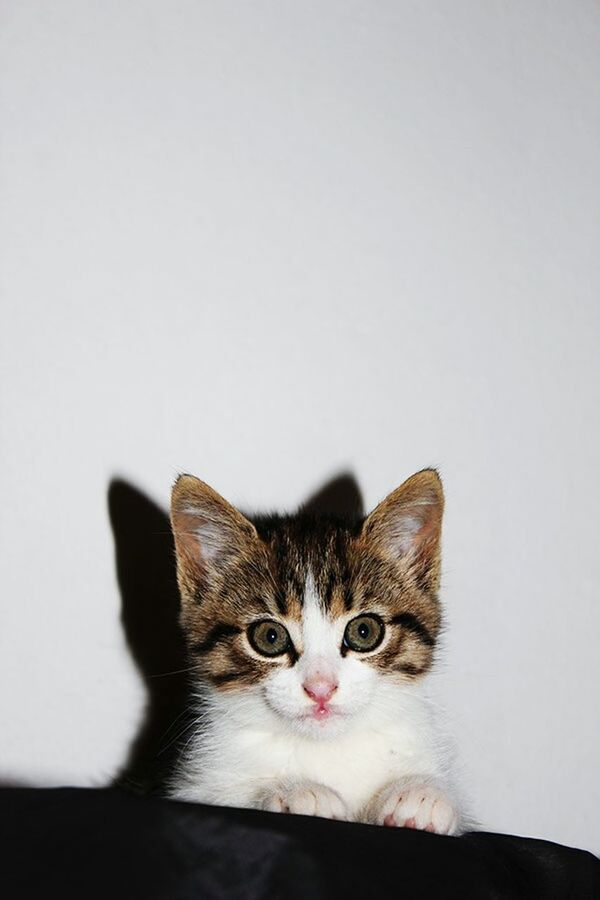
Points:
(321, 714)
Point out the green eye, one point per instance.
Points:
(364, 633)
(269, 638)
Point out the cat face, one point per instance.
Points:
(314, 615)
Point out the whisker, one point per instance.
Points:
(174, 672)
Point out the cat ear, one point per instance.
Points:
(208, 532)
(407, 524)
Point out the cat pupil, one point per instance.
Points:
(271, 635)
(363, 630)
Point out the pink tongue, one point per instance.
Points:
(321, 710)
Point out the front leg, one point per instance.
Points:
(304, 798)
(413, 803)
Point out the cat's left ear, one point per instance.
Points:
(209, 532)
(407, 525)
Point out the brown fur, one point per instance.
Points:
(232, 572)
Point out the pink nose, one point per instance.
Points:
(320, 689)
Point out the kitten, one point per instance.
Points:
(309, 636)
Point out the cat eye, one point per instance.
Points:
(269, 638)
(364, 633)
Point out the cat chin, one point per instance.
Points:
(322, 731)
(319, 728)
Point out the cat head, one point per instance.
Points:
(312, 614)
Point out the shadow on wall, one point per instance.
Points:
(145, 562)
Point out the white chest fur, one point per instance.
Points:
(242, 749)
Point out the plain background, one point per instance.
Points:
(268, 242)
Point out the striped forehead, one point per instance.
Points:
(306, 591)
(309, 557)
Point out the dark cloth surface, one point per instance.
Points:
(107, 843)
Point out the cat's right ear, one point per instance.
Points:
(208, 533)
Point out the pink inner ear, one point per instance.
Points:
(187, 542)
(409, 530)
(427, 523)
(410, 527)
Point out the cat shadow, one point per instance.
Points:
(339, 497)
(145, 565)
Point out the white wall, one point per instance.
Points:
(265, 242)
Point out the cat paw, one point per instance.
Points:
(416, 805)
(305, 798)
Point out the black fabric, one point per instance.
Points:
(107, 843)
